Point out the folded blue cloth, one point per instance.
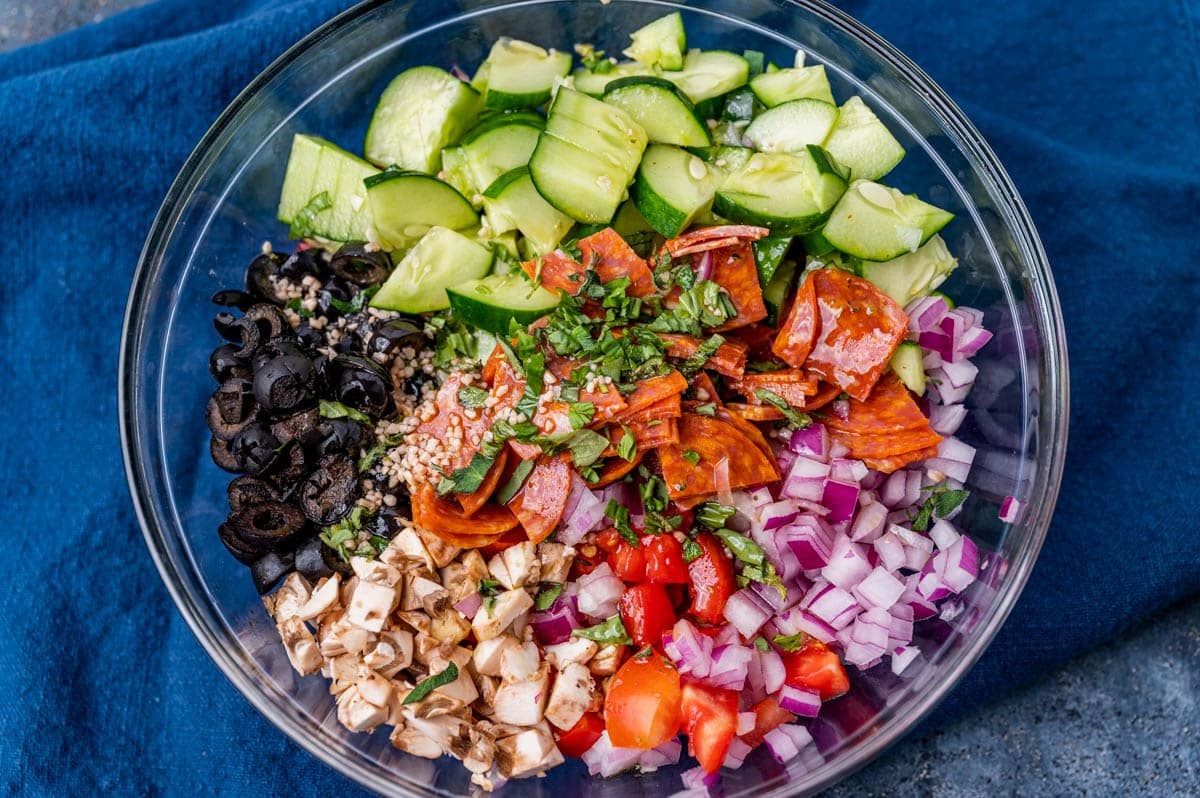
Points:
(1093, 107)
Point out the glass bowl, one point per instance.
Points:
(222, 207)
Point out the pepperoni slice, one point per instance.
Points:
(794, 386)
(453, 422)
(558, 272)
(609, 402)
(892, 444)
(749, 430)
(615, 468)
(612, 258)
(663, 409)
(733, 269)
(472, 502)
(540, 503)
(889, 464)
(652, 390)
(798, 332)
(729, 359)
(708, 238)
(704, 390)
(755, 412)
(647, 435)
(858, 330)
(445, 519)
(889, 408)
(714, 444)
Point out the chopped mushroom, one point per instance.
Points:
(489, 653)
(556, 561)
(415, 742)
(527, 753)
(578, 650)
(370, 605)
(323, 599)
(607, 660)
(442, 553)
(356, 713)
(516, 566)
(286, 602)
(492, 621)
(407, 551)
(519, 663)
(522, 703)
(416, 588)
(449, 626)
(570, 697)
(302, 649)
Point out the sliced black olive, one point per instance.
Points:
(395, 334)
(219, 451)
(302, 263)
(361, 383)
(335, 563)
(354, 263)
(384, 524)
(276, 347)
(290, 469)
(233, 298)
(228, 326)
(414, 386)
(308, 338)
(258, 277)
(271, 322)
(297, 426)
(245, 491)
(285, 383)
(241, 550)
(339, 436)
(269, 569)
(329, 493)
(270, 524)
(255, 449)
(230, 409)
(334, 288)
(310, 560)
(224, 364)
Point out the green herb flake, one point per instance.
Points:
(468, 478)
(515, 482)
(706, 409)
(610, 632)
(342, 535)
(761, 644)
(627, 446)
(472, 396)
(330, 409)
(548, 595)
(427, 686)
(692, 550)
(580, 414)
(742, 547)
(296, 304)
(942, 502)
(619, 515)
(763, 366)
(703, 352)
(791, 642)
(714, 515)
(691, 456)
(795, 417)
(302, 222)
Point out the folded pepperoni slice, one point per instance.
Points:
(889, 464)
(729, 359)
(612, 258)
(755, 412)
(540, 502)
(647, 435)
(794, 386)
(798, 332)
(708, 445)
(472, 502)
(708, 238)
(753, 433)
(891, 444)
(652, 390)
(858, 330)
(615, 468)
(889, 408)
(733, 269)
(556, 272)
(445, 519)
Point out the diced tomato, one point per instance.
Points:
(708, 717)
(580, 737)
(816, 667)
(588, 558)
(664, 560)
(641, 709)
(627, 562)
(768, 715)
(711, 578)
(647, 612)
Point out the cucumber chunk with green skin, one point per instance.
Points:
(422, 111)
(912, 275)
(442, 258)
(513, 203)
(909, 367)
(492, 303)
(755, 59)
(950, 305)
(862, 143)
(457, 172)
(629, 220)
(815, 245)
(778, 86)
(506, 143)
(729, 158)
(768, 254)
(323, 193)
(778, 290)
(673, 187)
(740, 106)
(792, 126)
(406, 204)
(875, 222)
(518, 74)
(790, 193)
(586, 157)
(709, 73)
(594, 83)
(662, 43)
(663, 111)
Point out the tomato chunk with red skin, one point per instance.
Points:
(647, 612)
(664, 560)
(708, 717)
(768, 716)
(816, 667)
(641, 709)
(576, 741)
(711, 579)
(627, 562)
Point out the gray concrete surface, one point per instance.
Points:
(1123, 720)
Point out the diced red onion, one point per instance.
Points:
(832, 605)
(891, 551)
(770, 596)
(745, 722)
(880, 589)
(892, 492)
(599, 592)
(704, 265)
(953, 459)
(697, 779)
(846, 470)
(946, 419)
(731, 665)
(773, 670)
(841, 409)
(937, 341)
(747, 612)
(798, 701)
(1009, 509)
(962, 564)
(470, 605)
(556, 624)
(931, 360)
(943, 534)
(603, 759)
(869, 523)
(847, 564)
(726, 635)
(973, 339)
(777, 514)
(902, 657)
(738, 750)
(457, 72)
(813, 441)
(810, 540)
(961, 374)
(583, 513)
(666, 754)
(926, 313)
(785, 742)
(806, 479)
(688, 649)
(841, 498)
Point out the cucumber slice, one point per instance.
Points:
(768, 254)
(441, 258)
(778, 290)
(916, 274)
(500, 144)
(908, 365)
(795, 83)
(740, 106)
(862, 143)
(875, 222)
(629, 220)
(816, 245)
(422, 111)
(949, 302)
(492, 303)
(506, 250)
(755, 59)
(729, 158)
(586, 156)
(457, 173)
(790, 193)
(405, 205)
(518, 74)
(662, 110)
(594, 83)
(710, 73)
(673, 186)
(512, 203)
(323, 194)
(662, 43)
(792, 126)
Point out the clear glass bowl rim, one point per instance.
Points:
(1048, 319)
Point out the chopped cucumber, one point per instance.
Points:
(740, 106)
(518, 74)
(912, 275)
(492, 303)
(673, 186)
(778, 290)
(949, 302)
(594, 83)
(500, 144)
(792, 126)
(512, 203)
(662, 110)
(862, 143)
(815, 245)
(422, 111)
(795, 83)
(505, 248)
(405, 205)
(789, 193)
(586, 156)
(728, 158)
(629, 220)
(907, 364)
(768, 254)
(710, 73)
(457, 172)
(323, 193)
(875, 222)
(662, 43)
(755, 59)
(442, 258)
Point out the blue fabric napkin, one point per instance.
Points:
(1093, 107)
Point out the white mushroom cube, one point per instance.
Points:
(373, 687)
(407, 549)
(300, 645)
(519, 663)
(527, 753)
(492, 621)
(380, 573)
(516, 566)
(402, 641)
(570, 697)
(576, 650)
(415, 742)
(449, 626)
(357, 714)
(439, 550)
(556, 561)
(522, 703)
(463, 688)
(416, 589)
(370, 605)
(323, 599)
(286, 602)
(607, 660)
(489, 653)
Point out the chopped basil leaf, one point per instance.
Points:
(296, 304)
(627, 446)
(489, 589)
(701, 355)
(535, 370)
(510, 488)
(764, 365)
(761, 644)
(714, 515)
(941, 502)
(302, 222)
(644, 653)
(707, 409)
(691, 456)
(742, 547)
(653, 492)
(611, 632)
(468, 478)
(341, 535)
(580, 414)
(795, 417)
(791, 642)
(619, 515)
(548, 595)
(372, 456)
(691, 550)
(427, 686)
(472, 396)
(330, 409)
